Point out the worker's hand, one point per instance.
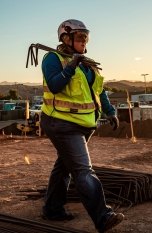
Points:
(114, 121)
(76, 59)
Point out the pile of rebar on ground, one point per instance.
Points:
(126, 185)
(9, 224)
(121, 187)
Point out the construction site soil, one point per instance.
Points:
(26, 162)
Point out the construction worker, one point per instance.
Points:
(73, 101)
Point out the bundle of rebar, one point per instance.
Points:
(121, 187)
(130, 185)
(10, 224)
(33, 55)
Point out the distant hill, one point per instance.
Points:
(16, 83)
(28, 90)
(23, 91)
(132, 86)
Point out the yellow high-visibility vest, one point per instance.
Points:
(74, 103)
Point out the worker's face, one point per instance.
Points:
(80, 41)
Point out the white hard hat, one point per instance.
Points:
(70, 26)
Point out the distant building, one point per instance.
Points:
(141, 105)
(138, 112)
(145, 98)
(119, 98)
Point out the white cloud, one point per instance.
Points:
(138, 58)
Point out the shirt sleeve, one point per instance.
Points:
(56, 77)
(107, 107)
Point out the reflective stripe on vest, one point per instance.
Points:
(66, 104)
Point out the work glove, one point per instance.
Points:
(76, 59)
(114, 121)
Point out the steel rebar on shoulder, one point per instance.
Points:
(34, 56)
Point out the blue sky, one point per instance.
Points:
(120, 35)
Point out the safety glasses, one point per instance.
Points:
(81, 37)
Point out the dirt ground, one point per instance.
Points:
(17, 175)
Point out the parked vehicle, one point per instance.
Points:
(9, 106)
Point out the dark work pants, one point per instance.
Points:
(70, 141)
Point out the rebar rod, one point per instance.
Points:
(34, 56)
(22, 225)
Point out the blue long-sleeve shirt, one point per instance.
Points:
(56, 81)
